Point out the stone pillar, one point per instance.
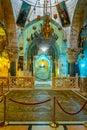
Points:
(13, 68)
(72, 54)
(83, 86)
(71, 69)
(12, 54)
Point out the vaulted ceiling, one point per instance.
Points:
(37, 8)
(10, 10)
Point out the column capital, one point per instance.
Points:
(72, 54)
(12, 52)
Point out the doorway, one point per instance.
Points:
(43, 71)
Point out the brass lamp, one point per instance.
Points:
(46, 29)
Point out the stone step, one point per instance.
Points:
(42, 85)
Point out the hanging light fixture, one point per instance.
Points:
(55, 16)
(38, 17)
(47, 30)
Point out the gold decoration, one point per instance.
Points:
(3, 39)
(72, 54)
(28, 39)
(38, 17)
(47, 30)
(12, 52)
(21, 48)
(55, 16)
(65, 40)
(2, 34)
(83, 39)
(59, 28)
(43, 62)
(34, 27)
(54, 125)
(82, 55)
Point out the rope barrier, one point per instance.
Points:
(70, 112)
(29, 103)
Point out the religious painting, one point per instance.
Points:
(24, 11)
(63, 14)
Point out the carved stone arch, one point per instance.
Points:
(77, 22)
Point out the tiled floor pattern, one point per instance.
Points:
(43, 127)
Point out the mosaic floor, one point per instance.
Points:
(20, 110)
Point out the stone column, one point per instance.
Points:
(12, 54)
(72, 54)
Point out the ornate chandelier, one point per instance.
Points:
(46, 35)
(47, 30)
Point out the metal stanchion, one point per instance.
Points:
(9, 82)
(85, 124)
(1, 88)
(5, 123)
(4, 108)
(2, 122)
(54, 124)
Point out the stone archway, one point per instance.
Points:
(78, 21)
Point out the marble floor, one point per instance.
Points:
(19, 106)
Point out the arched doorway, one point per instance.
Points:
(43, 71)
(35, 46)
